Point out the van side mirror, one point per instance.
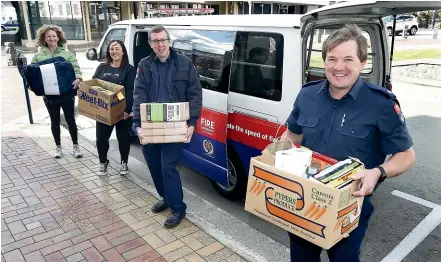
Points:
(91, 54)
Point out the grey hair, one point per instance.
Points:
(158, 29)
(347, 33)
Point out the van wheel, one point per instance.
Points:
(413, 30)
(237, 180)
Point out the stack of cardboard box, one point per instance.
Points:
(164, 122)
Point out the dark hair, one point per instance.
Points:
(125, 57)
(158, 29)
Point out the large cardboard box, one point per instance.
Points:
(165, 112)
(103, 106)
(305, 207)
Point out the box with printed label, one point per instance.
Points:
(102, 101)
(165, 112)
(317, 212)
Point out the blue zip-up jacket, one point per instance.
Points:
(183, 85)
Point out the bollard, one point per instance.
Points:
(21, 60)
(11, 53)
(405, 31)
(435, 32)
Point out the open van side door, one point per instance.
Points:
(319, 23)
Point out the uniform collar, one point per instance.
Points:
(355, 89)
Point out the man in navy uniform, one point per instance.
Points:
(166, 77)
(345, 116)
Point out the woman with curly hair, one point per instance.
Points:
(51, 40)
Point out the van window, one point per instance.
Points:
(114, 34)
(141, 47)
(211, 52)
(320, 36)
(257, 65)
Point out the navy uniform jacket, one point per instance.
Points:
(367, 123)
(183, 85)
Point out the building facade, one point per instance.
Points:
(86, 21)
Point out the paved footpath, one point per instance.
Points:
(61, 210)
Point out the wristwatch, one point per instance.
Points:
(383, 174)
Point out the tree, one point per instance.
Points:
(426, 17)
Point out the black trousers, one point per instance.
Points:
(68, 106)
(103, 133)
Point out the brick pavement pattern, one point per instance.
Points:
(61, 210)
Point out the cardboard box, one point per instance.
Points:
(105, 107)
(305, 207)
(164, 131)
(162, 139)
(161, 125)
(165, 112)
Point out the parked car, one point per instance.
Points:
(402, 20)
(10, 25)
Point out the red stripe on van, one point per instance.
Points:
(253, 132)
(213, 125)
(250, 131)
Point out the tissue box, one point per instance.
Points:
(165, 112)
(316, 212)
(284, 160)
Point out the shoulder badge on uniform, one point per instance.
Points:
(137, 72)
(399, 112)
(382, 90)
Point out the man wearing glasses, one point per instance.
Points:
(166, 77)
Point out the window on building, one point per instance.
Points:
(60, 10)
(51, 9)
(115, 34)
(68, 10)
(76, 9)
(257, 65)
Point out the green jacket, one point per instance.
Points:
(45, 53)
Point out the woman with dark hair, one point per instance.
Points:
(52, 43)
(116, 70)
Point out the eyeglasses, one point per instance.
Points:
(162, 41)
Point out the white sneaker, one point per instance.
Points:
(59, 152)
(124, 169)
(76, 151)
(103, 168)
